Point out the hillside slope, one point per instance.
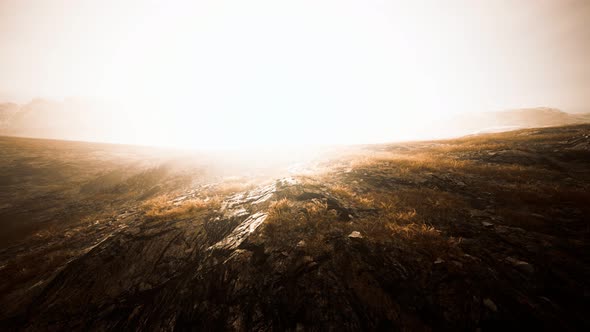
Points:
(489, 122)
(487, 232)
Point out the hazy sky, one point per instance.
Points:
(352, 70)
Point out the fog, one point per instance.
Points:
(233, 74)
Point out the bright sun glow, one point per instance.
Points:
(256, 73)
(271, 73)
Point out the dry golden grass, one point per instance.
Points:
(512, 137)
(347, 193)
(414, 238)
(164, 207)
(404, 219)
(289, 222)
(229, 187)
(471, 147)
(343, 191)
(415, 186)
(161, 207)
(281, 209)
(403, 165)
(419, 163)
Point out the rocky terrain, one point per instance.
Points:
(483, 233)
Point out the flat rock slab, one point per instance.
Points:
(240, 233)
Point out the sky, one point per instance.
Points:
(289, 72)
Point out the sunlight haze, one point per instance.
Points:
(255, 73)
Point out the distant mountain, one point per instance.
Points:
(81, 119)
(7, 113)
(472, 123)
(71, 118)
